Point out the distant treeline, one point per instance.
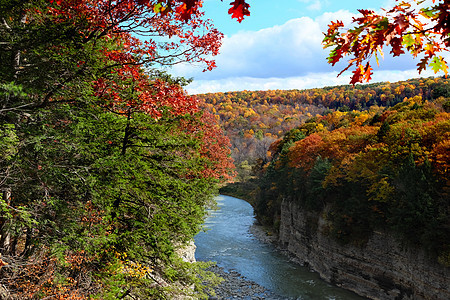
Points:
(254, 119)
(335, 97)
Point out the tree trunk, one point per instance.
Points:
(5, 234)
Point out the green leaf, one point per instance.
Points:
(408, 41)
(383, 25)
(428, 12)
(157, 8)
(436, 64)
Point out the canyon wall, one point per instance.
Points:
(380, 269)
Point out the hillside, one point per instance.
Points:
(254, 119)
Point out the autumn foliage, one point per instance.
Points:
(253, 120)
(409, 26)
(239, 9)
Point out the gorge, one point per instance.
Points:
(228, 242)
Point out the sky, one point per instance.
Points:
(279, 47)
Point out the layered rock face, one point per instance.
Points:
(381, 269)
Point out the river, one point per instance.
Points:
(229, 242)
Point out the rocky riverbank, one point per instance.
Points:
(264, 235)
(235, 286)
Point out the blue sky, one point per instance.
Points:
(279, 47)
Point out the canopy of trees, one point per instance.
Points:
(254, 119)
(106, 164)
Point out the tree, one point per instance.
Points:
(63, 40)
(106, 163)
(410, 26)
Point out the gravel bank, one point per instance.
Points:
(235, 286)
(263, 235)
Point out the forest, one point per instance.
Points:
(385, 167)
(253, 120)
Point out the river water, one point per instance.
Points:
(228, 242)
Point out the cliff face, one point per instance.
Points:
(381, 269)
(187, 252)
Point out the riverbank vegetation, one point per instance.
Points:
(106, 164)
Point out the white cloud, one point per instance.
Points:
(285, 56)
(291, 49)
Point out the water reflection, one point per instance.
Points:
(229, 243)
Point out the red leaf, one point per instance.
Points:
(187, 9)
(357, 75)
(368, 73)
(422, 65)
(239, 9)
(396, 44)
